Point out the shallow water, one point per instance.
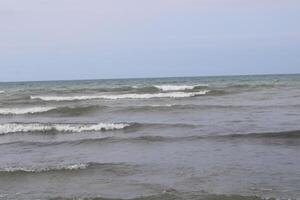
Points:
(168, 138)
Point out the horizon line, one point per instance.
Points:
(154, 77)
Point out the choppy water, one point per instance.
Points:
(168, 138)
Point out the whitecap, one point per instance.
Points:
(165, 105)
(20, 111)
(72, 128)
(122, 96)
(52, 168)
(178, 87)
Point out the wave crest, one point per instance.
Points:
(20, 111)
(172, 194)
(122, 96)
(279, 135)
(72, 128)
(37, 170)
(178, 87)
(65, 110)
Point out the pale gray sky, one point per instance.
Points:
(89, 39)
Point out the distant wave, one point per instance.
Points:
(20, 111)
(1, 91)
(75, 128)
(237, 88)
(155, 91)
(253, 86)
(178, 87)
(133, 88)
(122, 96)
(217, 88)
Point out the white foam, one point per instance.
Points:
(122, 96)
(59, 167)
(1, 91)
(74, 128)
(64, 98)
(177, 87)
(166, 105)
(20, 111)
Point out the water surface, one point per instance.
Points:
(167, 138)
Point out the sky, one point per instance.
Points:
(98, 39)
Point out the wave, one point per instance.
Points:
(157, 105)
(77, 110)
(174, 107)
(159, 138)
(65, 110)
(37, 170)
(1, 91)
(138, 126)
(172, 194)
(106, 140)
(280, 135)
(20, 111)
(126, 88)
(179, 87)
(122, 96)
(253, 86)
(72, 128)
(138, 139)
(120, 168)
(238, 87)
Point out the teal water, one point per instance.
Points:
(233, 137)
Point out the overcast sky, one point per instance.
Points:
(94, 39)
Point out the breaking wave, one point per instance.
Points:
(65, 110)
(179, 87)
(122, 96)
(120, 168)
(37, 170)
(73, 128)
(1, 91)
(20, 111)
